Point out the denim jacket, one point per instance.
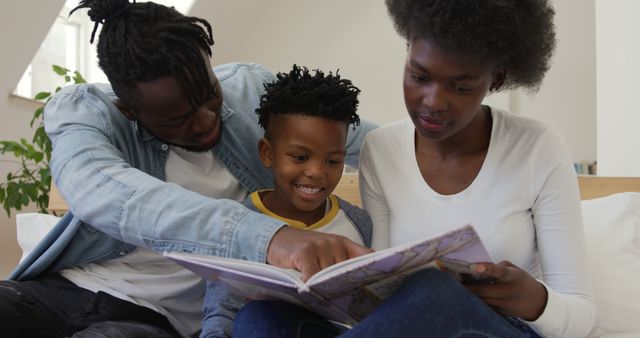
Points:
(111, 173)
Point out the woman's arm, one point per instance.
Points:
(560, 304)
(373, 199)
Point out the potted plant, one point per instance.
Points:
(31, 181)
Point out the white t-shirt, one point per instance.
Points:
(146, 278)
(524, 203)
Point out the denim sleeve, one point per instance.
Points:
(220, 309)
(355, 139)
(103, 187)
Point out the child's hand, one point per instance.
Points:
(514, 292)
(310, 251)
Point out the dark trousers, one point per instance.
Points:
(52, 306)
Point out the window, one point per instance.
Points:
(67, 45)
(61, 46)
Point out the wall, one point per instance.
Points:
(31, 25)
(358, 37)
(567, 99)
(355, 37)
(618, 73)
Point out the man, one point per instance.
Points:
(153, 163)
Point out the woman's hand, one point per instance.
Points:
(512, 293)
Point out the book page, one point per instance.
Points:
(360, 285)
(213, 267)
(462, 245)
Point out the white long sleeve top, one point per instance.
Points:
(524, 203)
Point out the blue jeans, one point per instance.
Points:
(431, 303)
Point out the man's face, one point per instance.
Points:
(306, 154)
(165, 111)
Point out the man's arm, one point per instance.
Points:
(106, 191)
(355, 139)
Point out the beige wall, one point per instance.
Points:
(358, 37)
(618, 73)
(354, 36)
(23, 26)
(567, 100)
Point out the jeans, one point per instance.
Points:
(273, 318)
(51, 306)
(430, 304)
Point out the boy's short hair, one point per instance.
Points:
(301, 93)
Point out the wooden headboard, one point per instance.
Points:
(595, 186)
(57, 205)
(590, 187)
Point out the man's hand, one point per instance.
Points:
(310, 251)
(513, 293)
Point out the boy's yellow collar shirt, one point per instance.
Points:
(331, 213)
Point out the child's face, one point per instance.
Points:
(443, 91)
(307, 155)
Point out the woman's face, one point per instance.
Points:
(443, 91)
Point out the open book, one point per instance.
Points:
(348, 291)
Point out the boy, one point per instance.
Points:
(306, 118)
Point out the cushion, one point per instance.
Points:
(31, 228)
(612, 233)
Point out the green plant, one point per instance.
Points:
(32, 180)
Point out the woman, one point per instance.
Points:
(456, 161)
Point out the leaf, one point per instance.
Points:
(36, 115)
(13, 200)
(24, 199)
(42, 95)
(32, 181)
(6, 208)
(42, 207)
(43, 199)
(14, 147)
(40, 138)
(32, 192)
(47, 151)
(45, 175)
(77, 78)
(38, 156)
(60, 70)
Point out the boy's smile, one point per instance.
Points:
(306, 154)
